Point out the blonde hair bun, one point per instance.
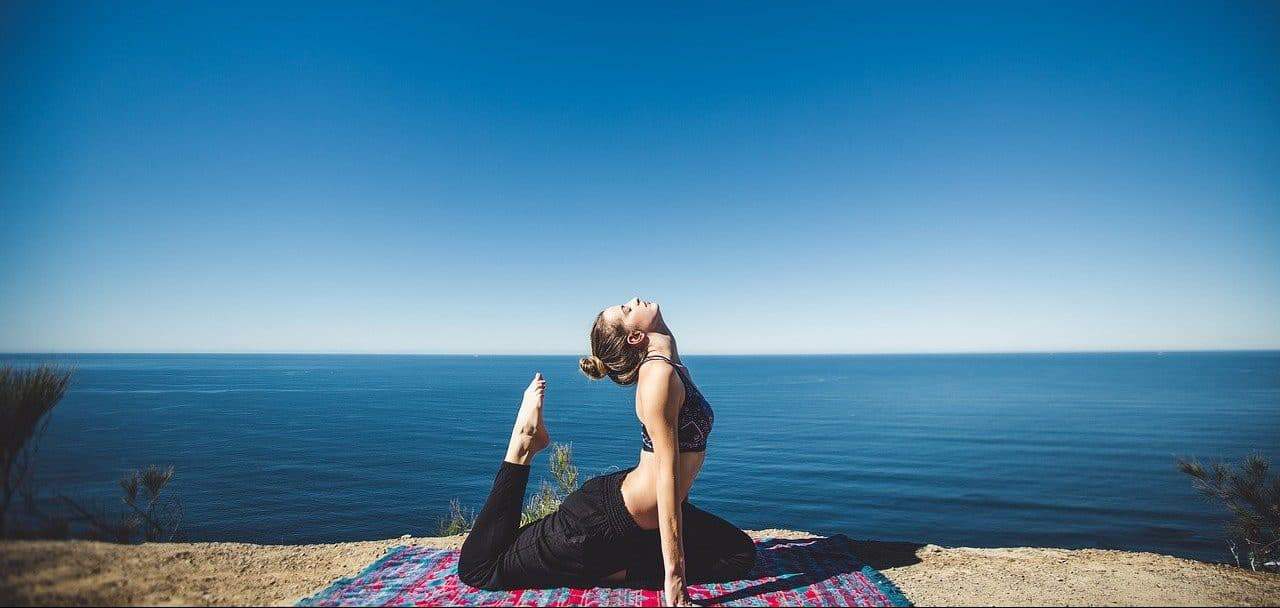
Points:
(593, 367)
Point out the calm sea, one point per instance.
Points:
(1069, 450)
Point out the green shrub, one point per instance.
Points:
(458, 520)
(564, 480)
(564, 476)
(1252, 495)
(147, 513)
(26, 398)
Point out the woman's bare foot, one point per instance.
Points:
(529, 435)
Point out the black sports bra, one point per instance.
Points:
(696, 416)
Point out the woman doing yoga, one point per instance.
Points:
(635, 526)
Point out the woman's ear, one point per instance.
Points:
(637, 337)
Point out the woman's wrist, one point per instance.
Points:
(675, 570)
(674, 582)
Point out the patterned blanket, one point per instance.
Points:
(788, 572)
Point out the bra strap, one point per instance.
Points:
(658, 357)
(680, 369)
(680, 373)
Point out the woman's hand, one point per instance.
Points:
(677, 595)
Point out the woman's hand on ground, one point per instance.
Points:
(682, 599)
(676, 593)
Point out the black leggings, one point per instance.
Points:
(590, 536)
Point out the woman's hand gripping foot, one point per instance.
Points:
(529, 435)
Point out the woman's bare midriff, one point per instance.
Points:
(640, 486)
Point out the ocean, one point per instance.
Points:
(1063, 450)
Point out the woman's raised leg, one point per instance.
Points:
(495, 527)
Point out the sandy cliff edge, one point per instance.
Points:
(85, 573)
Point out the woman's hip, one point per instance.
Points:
(597, 508)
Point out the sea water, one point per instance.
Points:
(1064, 450)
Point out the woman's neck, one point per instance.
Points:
(665, 345)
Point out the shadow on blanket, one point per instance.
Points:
(800, 562)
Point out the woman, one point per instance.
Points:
(635, 526)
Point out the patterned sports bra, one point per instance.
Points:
(696, 417)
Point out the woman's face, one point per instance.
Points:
(636, 315)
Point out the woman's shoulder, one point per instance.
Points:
(658, 379)
(656, 371)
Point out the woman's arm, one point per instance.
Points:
(660, 417)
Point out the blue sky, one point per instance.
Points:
(471, 178)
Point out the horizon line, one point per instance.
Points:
(692, 354)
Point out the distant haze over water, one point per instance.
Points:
(1068, 450)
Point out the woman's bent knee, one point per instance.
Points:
(744, 561)
(743, 558)
(733, 562)
(473, 573)
(479, 580)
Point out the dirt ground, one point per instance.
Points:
(91, 573)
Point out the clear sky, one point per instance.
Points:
(472, 178)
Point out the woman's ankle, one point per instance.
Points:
(524, 459)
